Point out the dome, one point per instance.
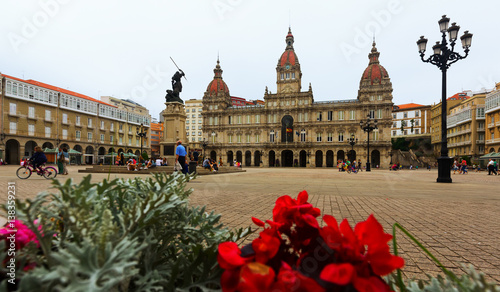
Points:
(374, 73)
(217, 85)
(288, 56)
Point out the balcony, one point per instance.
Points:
(48, 120)
(479, 141)
(32, 118)
(480, 129)
(491, 125)
(497, 124)
(12, 114)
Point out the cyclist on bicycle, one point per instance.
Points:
(38, 159)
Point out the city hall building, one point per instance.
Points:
(291, 128)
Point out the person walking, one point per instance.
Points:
(60, 161)
(180, 156)
(66, 161)
(491, 167)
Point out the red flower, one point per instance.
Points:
(266, 246)
(288, 211)
(256, 277)
(23, 235)
(291, 280)
(229, 256)
(340, 274)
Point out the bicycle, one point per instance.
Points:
(24, 172)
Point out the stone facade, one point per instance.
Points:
(291, 129)
(39, 114)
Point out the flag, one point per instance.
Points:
(288, 130)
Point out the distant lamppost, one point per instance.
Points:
(443, 57)
(352, 142)
(368, 126)
(204, 145)
(141, 133)
(308, 154)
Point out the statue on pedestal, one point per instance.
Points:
(173, 95)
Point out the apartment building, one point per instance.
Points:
(492, 111)
(436, 118)
(466, 127)
(39, 114)
(411, 119)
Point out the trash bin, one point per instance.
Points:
(192, 167)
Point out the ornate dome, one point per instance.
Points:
(217, 85)
(374, 73)
(288, 56)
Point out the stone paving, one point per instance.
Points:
(457, 222)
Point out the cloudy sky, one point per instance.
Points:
(122, 48)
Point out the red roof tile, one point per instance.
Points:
(409, 106)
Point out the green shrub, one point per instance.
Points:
(122, 235)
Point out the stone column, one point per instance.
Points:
(174, 129)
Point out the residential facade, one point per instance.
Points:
(492, 111)
(290, 128)
(436, 119)
(194, 122)
(466, 127)
(156, 138)
(411, 119)
(38, 114)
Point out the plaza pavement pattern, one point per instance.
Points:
(457, 222)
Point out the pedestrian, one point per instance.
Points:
(359, 166)
(66, 160)
(60, 161)
(38, 159)
(455, 166)
(180, 156)
(491, 167)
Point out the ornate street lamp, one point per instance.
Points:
(141, 133)
(352, 142)
(368, 126)
(443, 57)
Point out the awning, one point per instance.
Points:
(491, 155)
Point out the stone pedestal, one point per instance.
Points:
(174, 129)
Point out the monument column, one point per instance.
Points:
(174, 129)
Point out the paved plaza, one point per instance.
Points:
(458, 222)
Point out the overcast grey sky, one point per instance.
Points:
(122, 48)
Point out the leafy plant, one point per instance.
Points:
(122, 235)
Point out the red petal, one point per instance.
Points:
(339, 274)
(372, 284)
(302, 197)
(229, 280)
(331, 221)
(229, 256)
(258, 222)
(311, 220)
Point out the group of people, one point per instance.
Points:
(348, 166)
(460, 166)
(211, 164)
(62, 160)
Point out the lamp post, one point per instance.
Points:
(204, 145)
(141, 133)
(308, 154)
(368, 126)
(443, 57)
(352, 142)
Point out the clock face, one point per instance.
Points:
(288, 66)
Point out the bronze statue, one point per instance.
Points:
(173, 95)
